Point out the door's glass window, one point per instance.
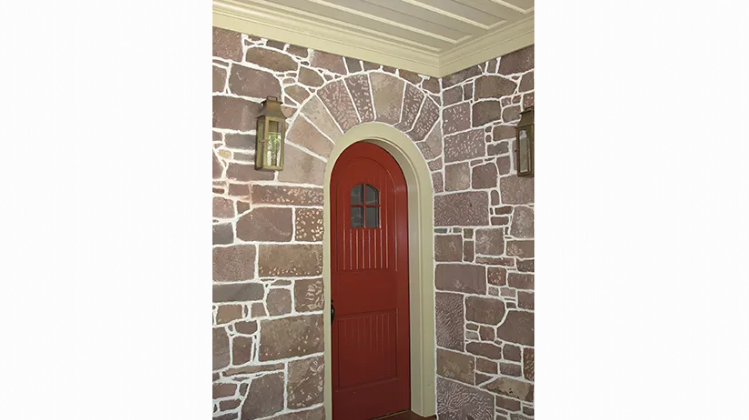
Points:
(365, 206)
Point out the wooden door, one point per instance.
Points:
(369, 285)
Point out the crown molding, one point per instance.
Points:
(268, 21)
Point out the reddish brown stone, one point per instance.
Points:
(244, 173)
(528, 100)
(452, 95)
(485, 112)
(525, 265)
(316, 112)
(241, 350)
(528, 364)
(462, 209)
(246, 81)
(219, 79)
(240, 141)
(503, 210)
(494, 87)
(437, 183)
(265, 397)
(464, 146)
(526, 83)
(490, 241)
(457, 78)
(223, 234)
(252, 369)
(517, 327)
(428, 116)
(257, 310)
(484, 310)
(353, 65)
(461, 278)
(487, 333)
(332, 63)
(239, 190)
(508, 404)
(228, 313)
(486, 366)
(520, 281)
(510, 114)
(298, 51)
(502, 132)
(301, 167)
(468, 251)
(488, 350)
(504, 262)
(522, 222)
(468, 91)
(449, 323)
(517, 62)
(308, 295)
(309, 225)
(229, 404)
(410, 76)
(306, 135)
(456, 401)
(227, 44)
(238, 292)
(266, 224)
(435, 165)
(453, 365)
(512, 388)
(504, 166)
(359, 88)
(500, 221)
(431, 147)
(275, 44)
(296, 92)
(512, 352)
(336, 98)
(516, 190)
(456, 118)
(484, 176)
(457, 177)
(314, 414)
(270, 59)
(509, 369)
(289, 260)
(387, 94)
(234, 113)
(412, 100)
(278, 302)
(309, 77)
(527, 410)
(525, 300)
(283, 195)
(245, 327)
(220, 349)
(448, 248)
(495, 198)
(497, 276)
(227, 416)
(431, 84)
(294, 336)
(522, 249)
(234, 263)
(223, 390)
(305, 384)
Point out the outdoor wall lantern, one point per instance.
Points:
(271, 130)
(524, 144)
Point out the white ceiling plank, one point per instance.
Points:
(430, 16)
(351, 19)
(495, 9)
(525, 5)
(449, 7)
(397, 17)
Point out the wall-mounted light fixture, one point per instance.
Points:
(524, 144)
(271, 130)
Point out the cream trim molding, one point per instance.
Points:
(272, 22)
(423, 340)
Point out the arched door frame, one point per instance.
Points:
(421, 260)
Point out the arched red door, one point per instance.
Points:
(369, 285)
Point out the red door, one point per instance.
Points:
(369, 285)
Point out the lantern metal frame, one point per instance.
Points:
(526, 124)
(269, 113)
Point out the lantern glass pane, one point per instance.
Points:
(273, 126)
(524, 147)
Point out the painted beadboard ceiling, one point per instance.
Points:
(432, 37)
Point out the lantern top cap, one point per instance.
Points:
(271, 108)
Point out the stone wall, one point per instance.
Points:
(267, 226)
(484, 246)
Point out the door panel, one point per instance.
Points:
(369, 285)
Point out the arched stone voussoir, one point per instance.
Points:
(316, 112)
(387, 91)
(306, 169)
(430, 113)
(337, 100)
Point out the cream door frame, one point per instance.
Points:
(421, 260)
